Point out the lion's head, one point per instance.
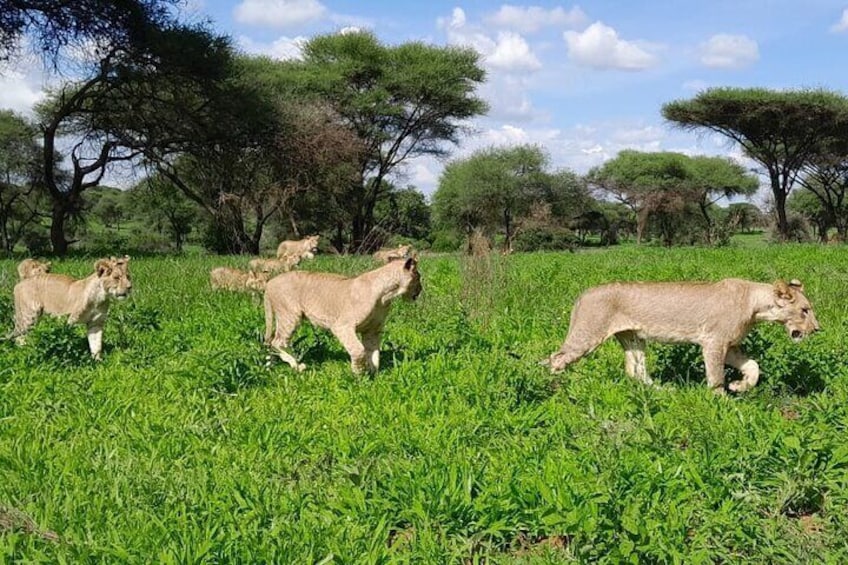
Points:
(33, 268)
(256, 280)
(114, 275)
(311, 246)
(793, 310)
(410, 285)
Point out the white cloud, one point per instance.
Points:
(842, 24)
(599, 47)
(278, 13)
(512, 53)
(724, 51)
(528, 19)
(283, 48)
(18, 92)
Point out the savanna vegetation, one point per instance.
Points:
(182, 447)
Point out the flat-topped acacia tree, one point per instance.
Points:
(779, 129)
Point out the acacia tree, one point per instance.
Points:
(134, 101)
(714, 178)
(20, 190)
(400, 102)
(780, 130)
(54, 26)
(825, 176)
(495, 189)
(662, 185)
(647, 183)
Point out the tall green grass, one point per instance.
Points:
(180, 447)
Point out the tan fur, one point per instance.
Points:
(273, 266)
(345, 306)
(399, 252)
(32, 267)
(305, 248)
(233, 279)
(716, 316)
(85, 301)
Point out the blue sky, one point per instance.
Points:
(584, 80)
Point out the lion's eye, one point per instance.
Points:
(805, 311)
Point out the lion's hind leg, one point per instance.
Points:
(634, 356)
(278, 339)
(26, 316)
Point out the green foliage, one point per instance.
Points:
(181, 446)
(672, 193)
(503, 188)
(782, 130)
(399, 102)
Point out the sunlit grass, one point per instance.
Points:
(181, 447)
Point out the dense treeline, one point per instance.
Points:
(233, 152)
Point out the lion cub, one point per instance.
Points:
(345, 306)
(32, 267)
(233, 279)
(392, 253)
(305, 248)
(85, 301)
(716, 316)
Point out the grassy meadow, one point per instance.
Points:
(181, 447)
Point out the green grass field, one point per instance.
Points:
(180, 447)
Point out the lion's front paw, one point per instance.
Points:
(301, 367)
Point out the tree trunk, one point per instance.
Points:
(57, 228)
(641, 224)
(708, 221)
(780, 206)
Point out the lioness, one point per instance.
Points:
(86, 301)
(305, 248)
(399, 252)
(345, 306)
(32, 267)
(273, 266)
(716, 316)
(234, 279)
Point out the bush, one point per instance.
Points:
(545, 239)
(446, 241)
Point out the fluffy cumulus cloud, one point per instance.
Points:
(600, 47)
(724, 51)
(528, 19)
(512, 53)
(842, 24)
(508, 51)
(283, 48)
(278, 13)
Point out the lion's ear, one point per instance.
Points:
(797, 285)
(103, 267)
(782, 290)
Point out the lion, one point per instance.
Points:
(399, 252)
(345, 306)
(273, 266)
(305, 248)
(233, 279)
(716, 316)
(85, 301)
(32, 267)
